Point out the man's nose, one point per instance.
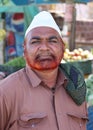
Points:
(44, 45)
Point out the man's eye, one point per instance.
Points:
(53, 41)
(35, 42)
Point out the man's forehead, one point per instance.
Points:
(43, 31)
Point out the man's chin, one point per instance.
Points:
(45, 68)
(42, 66)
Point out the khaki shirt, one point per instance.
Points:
(26, 103)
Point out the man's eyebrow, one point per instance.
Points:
(35, 38)
(52, 37)
(49, 38)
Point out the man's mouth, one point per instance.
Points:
(45, 57)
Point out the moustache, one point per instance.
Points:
(45, 54)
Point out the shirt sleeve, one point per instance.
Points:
(3, 111)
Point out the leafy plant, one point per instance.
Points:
(13, 65)
(89, 84)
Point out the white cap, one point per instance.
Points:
(45, 19)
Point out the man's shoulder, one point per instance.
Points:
(11, 82)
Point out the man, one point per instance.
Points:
(44, 95)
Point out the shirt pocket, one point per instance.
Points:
(77, 122)
(31, 121)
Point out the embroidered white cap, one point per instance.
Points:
(45, 19)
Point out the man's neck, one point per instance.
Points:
(49, 77)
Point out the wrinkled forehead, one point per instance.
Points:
(43, 31)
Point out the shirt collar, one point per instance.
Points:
(35, 80)
(61, 78)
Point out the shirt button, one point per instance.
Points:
(80, 125)
(33, 125)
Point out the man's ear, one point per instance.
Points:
(63, 45)
(24, 45)
(24, 48)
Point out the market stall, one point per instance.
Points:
(14, 20)
(80, 58)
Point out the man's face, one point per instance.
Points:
(43, 48)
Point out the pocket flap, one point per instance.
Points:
(31, 119)
(27, 117)
(80, 116)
